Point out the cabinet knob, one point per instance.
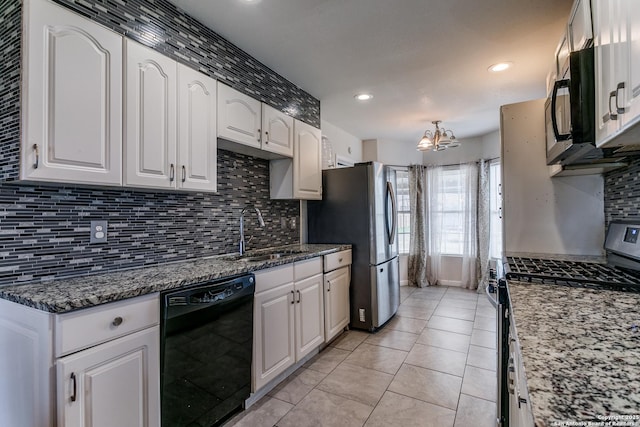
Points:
(340, 260)
(117, 321)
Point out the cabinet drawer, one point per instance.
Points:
(307, 268)
(337, 260)
(85, 328)
(273, 277)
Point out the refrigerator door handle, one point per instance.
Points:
(394, 213)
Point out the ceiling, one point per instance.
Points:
(422, 60)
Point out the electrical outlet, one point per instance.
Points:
(98, 232)
(292, 223)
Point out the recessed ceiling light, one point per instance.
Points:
(363, 96)
(500, 66)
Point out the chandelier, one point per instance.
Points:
(438, 140)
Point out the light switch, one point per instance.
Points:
(98, 232)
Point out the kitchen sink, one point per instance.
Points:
(264, 256)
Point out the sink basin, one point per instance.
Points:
(264, 256)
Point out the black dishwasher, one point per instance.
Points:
(206, 342)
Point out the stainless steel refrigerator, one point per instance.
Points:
(358, 206)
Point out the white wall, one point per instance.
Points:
(544, 215)
(342, 142)
(391, 152)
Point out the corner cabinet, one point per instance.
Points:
(617, 57)
(248, 122)
(166, 146)
(72, 95)
(92, 367)
(300, 177)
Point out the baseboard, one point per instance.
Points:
(404, 283)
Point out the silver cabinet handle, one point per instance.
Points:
(619, 110)
(184, 173)
(293, 297)
(117, 321)
(299, 297)
(75, 387)
(37, 151)
(172, 172)
(266, 137)
(610, 115)
(259, 135)
(328, 285)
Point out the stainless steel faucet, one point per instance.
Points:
(260, 221)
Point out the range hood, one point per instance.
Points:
(594, 161)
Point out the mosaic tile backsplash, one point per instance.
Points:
(44, 231)
(622, 194)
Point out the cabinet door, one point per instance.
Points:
(277, 131)
(307, 167)
(630, 62)
(150, 144)
(309, 309)
(336, 302)
(273, 331)
(73, 126)
(113, 384)
(605, 40)
(197, 138)
(239, 117)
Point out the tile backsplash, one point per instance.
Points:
(622, 194)
(44, 231)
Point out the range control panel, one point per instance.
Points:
(622, 239)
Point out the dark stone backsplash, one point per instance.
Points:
(622, 194)
(44, 230)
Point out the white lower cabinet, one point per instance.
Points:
(336, 301)
(337, 280)
(112, 384)
(92, 367)
(288, 318)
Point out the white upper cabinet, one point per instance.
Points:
(617, 48)
(300, 177)
(150, 144)
(239, 117)
(73, 98)
(277, 131)
(167, 146)
(197, 142)
(307, 168)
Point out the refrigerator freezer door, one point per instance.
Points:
(385, 288)
(382, 190)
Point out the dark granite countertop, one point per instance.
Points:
(581, 352)
(59, 296)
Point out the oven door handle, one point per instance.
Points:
(492, 300)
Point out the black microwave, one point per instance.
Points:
(570, 112)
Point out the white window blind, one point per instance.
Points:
(404, 228)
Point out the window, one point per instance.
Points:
(495, 210)
(404, 227)
(449, 210)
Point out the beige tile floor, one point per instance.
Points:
(433, 364)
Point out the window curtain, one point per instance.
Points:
(484, 218)
(417, 262)
(453, 211)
